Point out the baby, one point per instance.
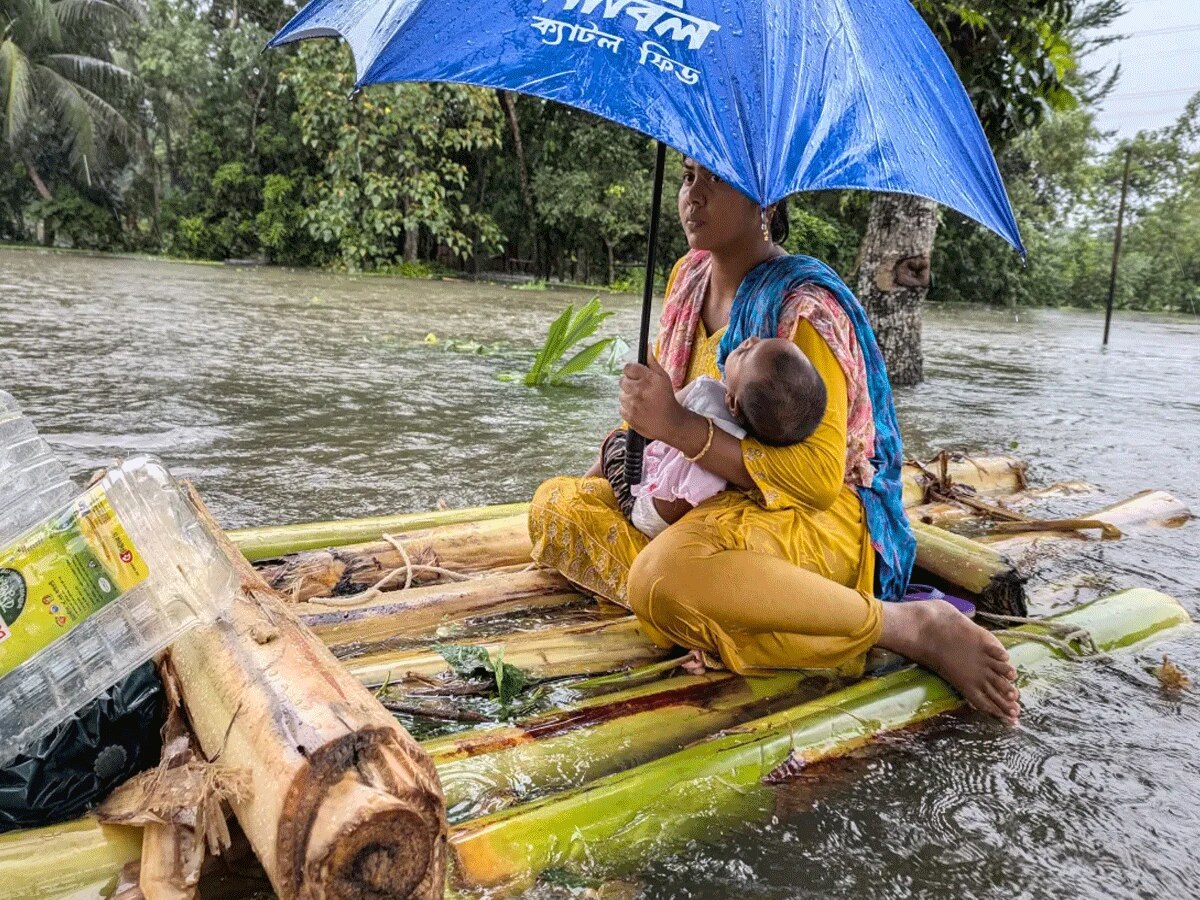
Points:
(771, 392)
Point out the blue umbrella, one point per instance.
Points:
(774, 96)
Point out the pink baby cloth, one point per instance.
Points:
(666, 473)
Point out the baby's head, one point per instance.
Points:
(774, 389)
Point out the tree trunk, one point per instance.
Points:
(169, 147)
(155, 184)
(412, 234)
(514, 128)
(38, 184)
(893, 278)
(612, 265)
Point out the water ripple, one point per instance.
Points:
(291, 396)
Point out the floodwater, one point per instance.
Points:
(290, 396)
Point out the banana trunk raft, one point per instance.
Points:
(561, 738)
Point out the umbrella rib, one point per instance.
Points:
(855, 55)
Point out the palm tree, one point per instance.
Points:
(57, 79)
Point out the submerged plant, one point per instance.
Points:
(472, 661)
(466, 345)
(566, 331)
(616, 357)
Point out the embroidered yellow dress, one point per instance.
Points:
(779, 577)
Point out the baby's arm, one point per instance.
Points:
(672, 510)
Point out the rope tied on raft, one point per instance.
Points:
(940, 487)
(1073, 642)
(407, 570)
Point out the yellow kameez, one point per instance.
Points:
(778, 577)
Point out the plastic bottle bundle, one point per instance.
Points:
(94, 587)
(33, 483)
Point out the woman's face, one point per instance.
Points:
(714, 215)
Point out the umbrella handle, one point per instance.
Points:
(635, 447)
(635, 444)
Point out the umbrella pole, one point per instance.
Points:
(636, 444)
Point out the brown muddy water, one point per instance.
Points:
(290, 396)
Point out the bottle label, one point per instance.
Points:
(61, 571)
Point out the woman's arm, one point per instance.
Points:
(649, 406)
(810, 473)
(724, 457)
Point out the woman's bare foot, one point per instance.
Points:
(939, 637)
(693, 663)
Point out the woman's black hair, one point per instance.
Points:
(780, 229)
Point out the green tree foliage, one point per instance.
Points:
(1065, 185)
(279, 225)
(396, 161)
(591, 184)
(1014, 57)
(65, 107)
(828, 226)
(85, 223)
(219, 124)
(167, 127)
(61, 93)
(16, 192)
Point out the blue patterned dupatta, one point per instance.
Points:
(755, 313)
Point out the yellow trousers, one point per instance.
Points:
(743, 595)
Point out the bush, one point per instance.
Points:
(218, 220)
(280, 224)
(78, 221)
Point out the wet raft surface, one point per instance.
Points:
(286, 419)
(562, 782)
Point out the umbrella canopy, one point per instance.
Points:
(774, 96)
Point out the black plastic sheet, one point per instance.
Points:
(80, 762)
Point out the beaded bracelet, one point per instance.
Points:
(707, 444)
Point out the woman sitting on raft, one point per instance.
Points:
(784, 569)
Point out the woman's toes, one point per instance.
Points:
(1008, 696)
(969, 657)
(995, 649)
(1006, 704)
(985, 702)
(1002, 668)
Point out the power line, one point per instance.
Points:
(1167, 114)
(1153, 32)
(1156, 56)
(1146, 95)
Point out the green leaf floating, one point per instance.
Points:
(466, 660)
(510, 680)
(472, 661)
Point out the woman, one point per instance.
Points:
(781, 572)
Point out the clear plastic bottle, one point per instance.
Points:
(95, 589)
(33, 482)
